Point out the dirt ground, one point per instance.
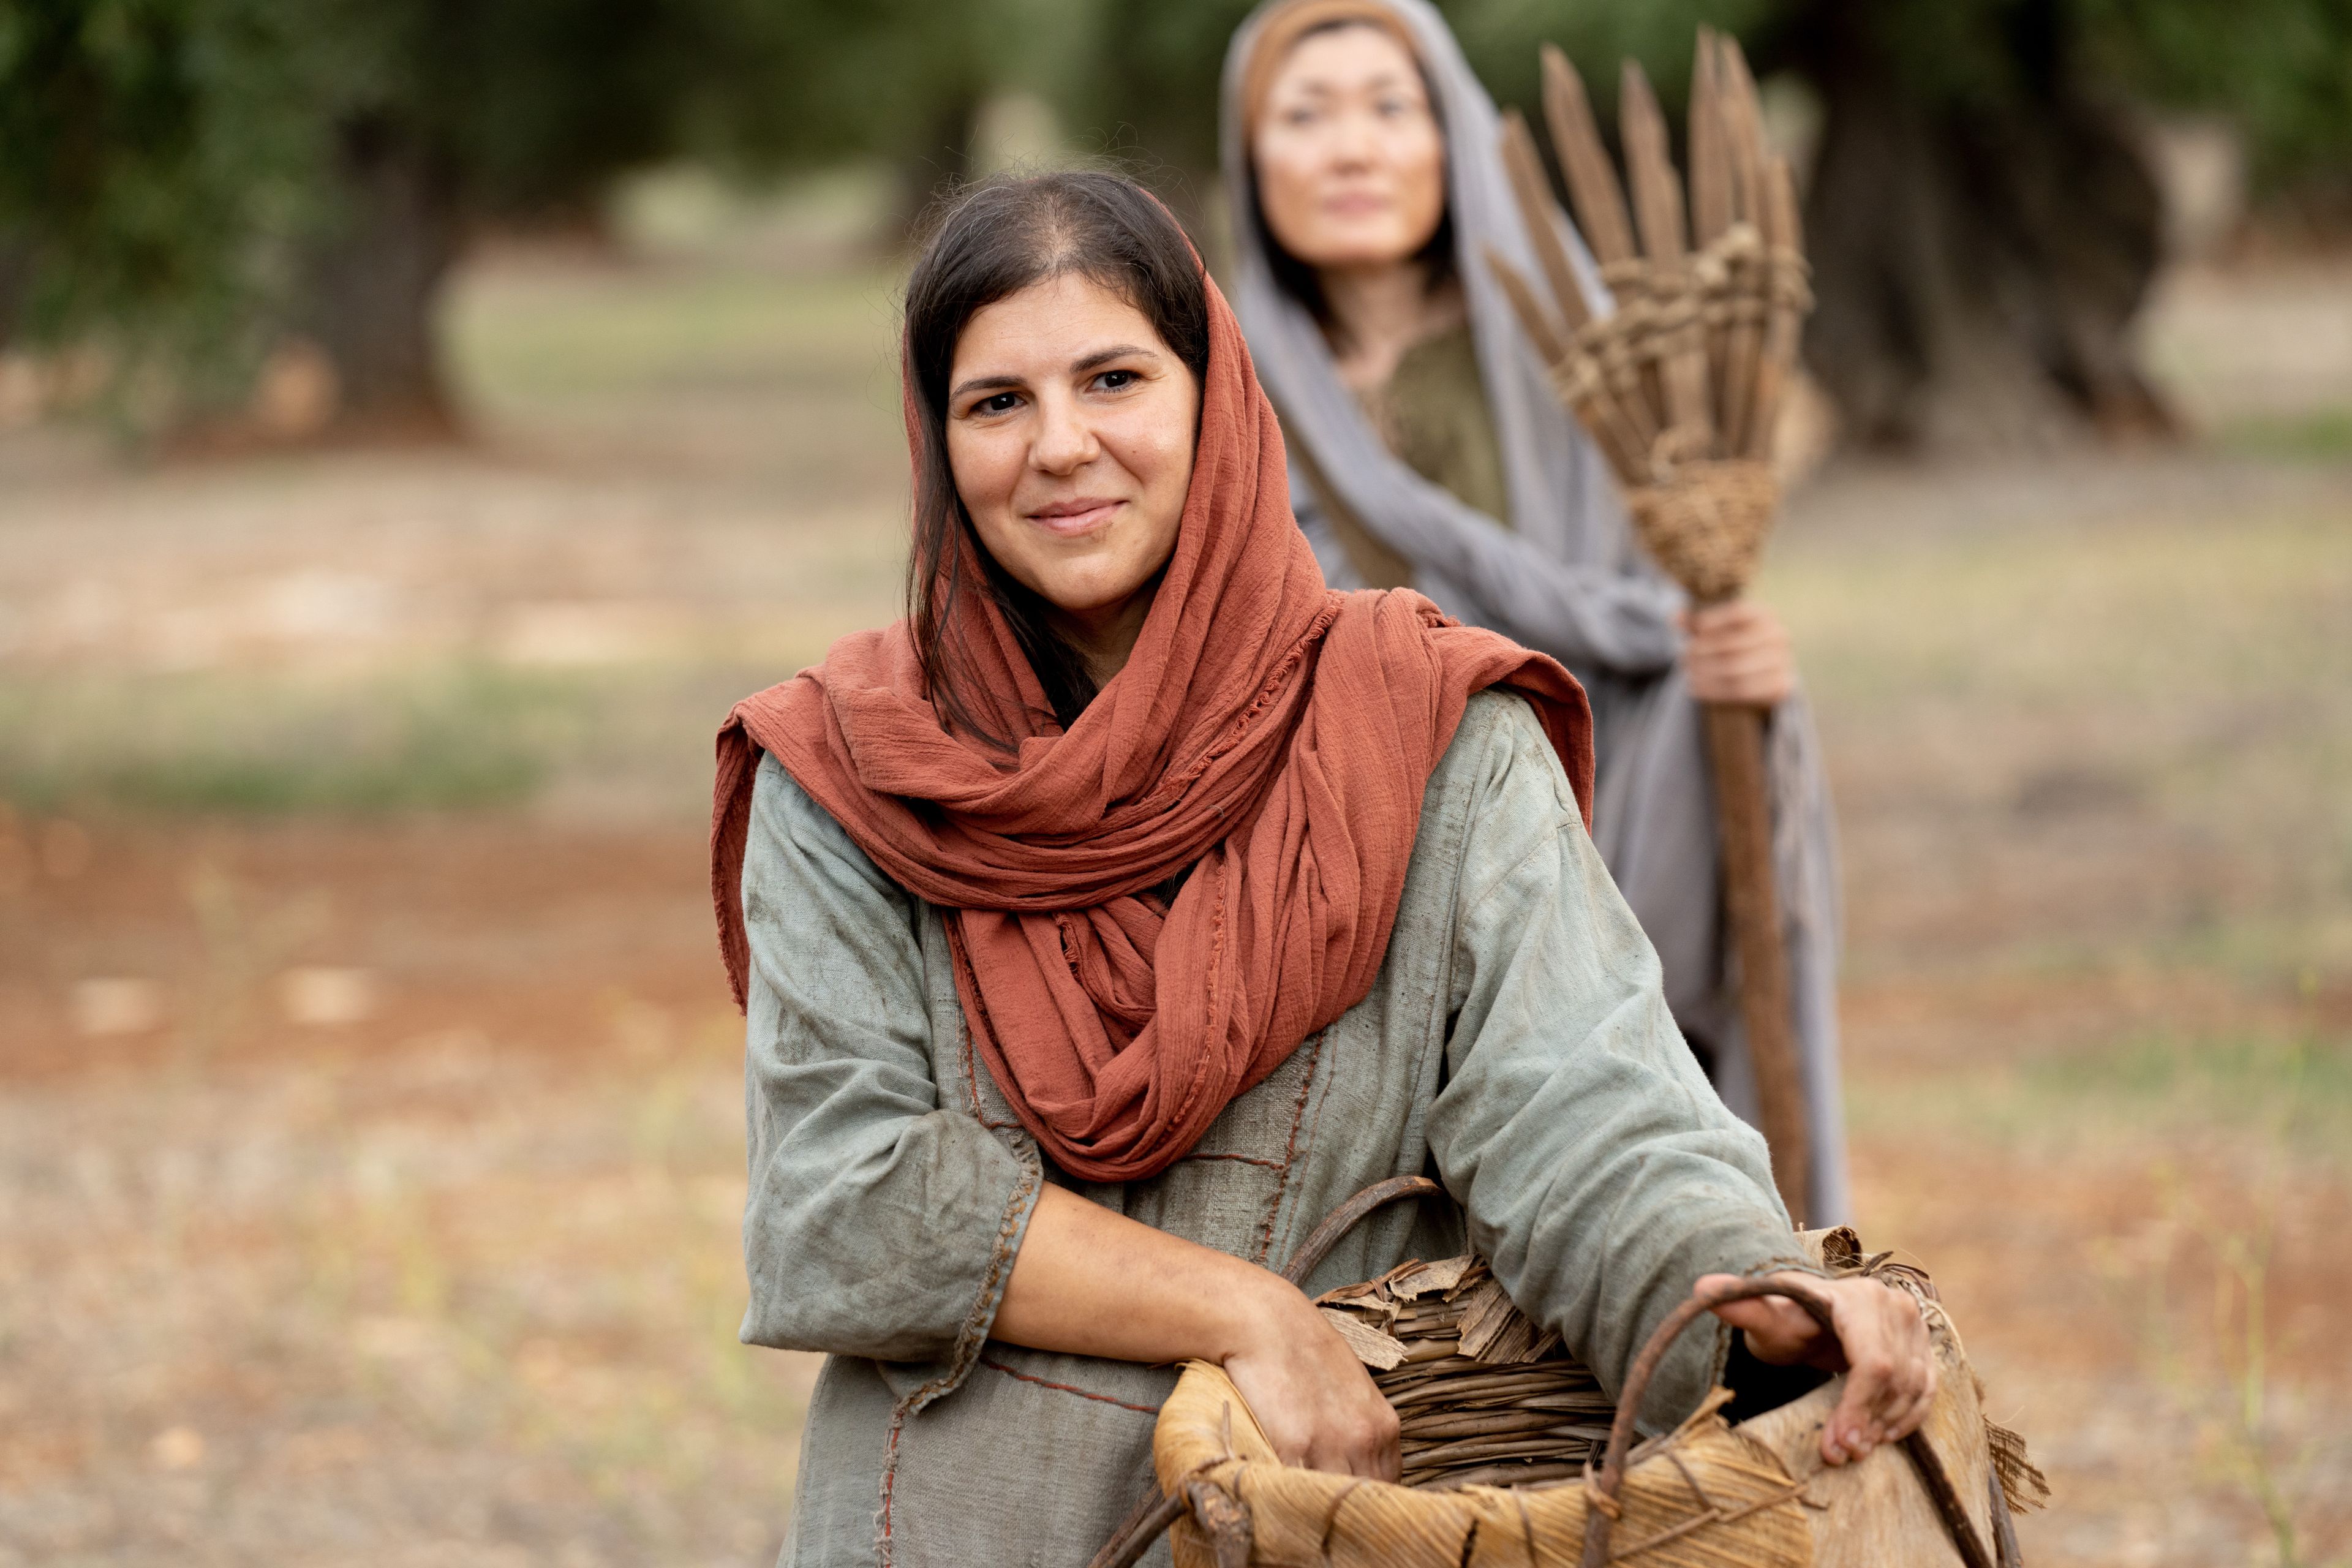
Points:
(370, 1105)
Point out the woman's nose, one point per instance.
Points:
(1354, 141)
(1066, 437)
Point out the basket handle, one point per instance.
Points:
(1599, 1518)
(1348, 1215)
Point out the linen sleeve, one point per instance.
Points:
(879, 1223)
(1600, 1174)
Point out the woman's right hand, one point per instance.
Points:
(1090, 1282)
(1313, 1398)
(1737, 653)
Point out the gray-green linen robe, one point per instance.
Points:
(1515, 1044)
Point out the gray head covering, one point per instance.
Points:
(1564, 576)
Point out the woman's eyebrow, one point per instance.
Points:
(1323, 87)
(1104, 356)
(982, 382)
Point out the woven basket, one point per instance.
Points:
(1707, 1495)
(1483, 1395)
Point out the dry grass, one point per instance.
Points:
(361, 1306)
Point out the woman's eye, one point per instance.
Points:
(1003, 403)
(1116, 380)
(1299, 116)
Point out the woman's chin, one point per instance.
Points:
(1092, 596)
(1384, 245)
(1363, 241)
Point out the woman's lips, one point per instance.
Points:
(1071, 518)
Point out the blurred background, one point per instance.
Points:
(419, 420)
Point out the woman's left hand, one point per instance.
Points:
(1880, 1342)
(1738, 653)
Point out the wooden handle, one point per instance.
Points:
(1735, 744)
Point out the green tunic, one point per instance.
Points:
(1432, 416)
(1515, 1044)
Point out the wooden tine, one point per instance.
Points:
(1784, 242)
(1751, 298)
(1599, 204)
(1787, 217)
(1710, 194)
(1573, 367)
(1535, 320)
(1658, 210)
(1743, 125)
(1710, 149)
(1650, 168)
(1600, 209)
(1597, 410)
(1542, 216)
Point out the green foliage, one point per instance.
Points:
(2319, 437)
(1155, 86)
(205, 743)
(2281, 69)
(832, 78)
(163, 163)
(1501, 38)
(148, 148)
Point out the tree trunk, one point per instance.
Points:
(373, 280)
(934, 161)
(1978, 259)
(15, 276)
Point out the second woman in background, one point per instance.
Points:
(1360, 155)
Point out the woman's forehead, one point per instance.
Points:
(1053, 324)
(1351, 57)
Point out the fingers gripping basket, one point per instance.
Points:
(1706, 1495)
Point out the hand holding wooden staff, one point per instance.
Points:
(1679, 385)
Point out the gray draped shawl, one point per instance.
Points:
(1565, 577)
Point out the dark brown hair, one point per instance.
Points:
(989, 243)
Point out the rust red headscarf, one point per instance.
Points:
(1272, 734)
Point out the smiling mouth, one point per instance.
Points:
(1072, 517)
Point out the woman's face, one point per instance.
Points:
(1350, 163)
(1070, 435)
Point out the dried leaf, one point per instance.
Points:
(1485, 1313)
(1373, 1347)
(1443, 1275)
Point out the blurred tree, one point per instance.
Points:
(186, 178)
(1983, 221)
(1153, 91)
(182, 177)
(142, 152)
(2281, 70)
(1982, 216)
(1984, 225)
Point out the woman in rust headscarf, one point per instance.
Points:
(1137, 898)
